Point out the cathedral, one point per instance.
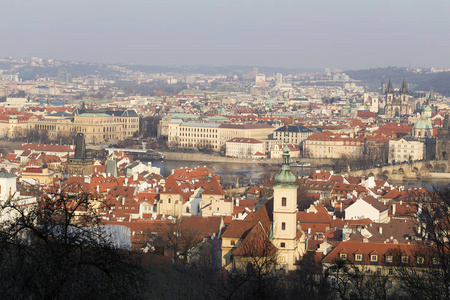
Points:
(397, 105)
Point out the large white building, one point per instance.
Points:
(244, 147)
(196, 135)
(404, 150)
(295, 134)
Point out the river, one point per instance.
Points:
(228, 171)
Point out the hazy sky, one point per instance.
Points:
(284, 33)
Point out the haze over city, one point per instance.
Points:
(224, 149)
(307, 34)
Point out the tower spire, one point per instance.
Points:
(404, 88)
(390, 88)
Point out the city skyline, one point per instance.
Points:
(297, 34)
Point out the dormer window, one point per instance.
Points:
(389, 258)
(405, 259)
(374, 258)
(436, 261)
(358, 257)
(420, 260)
(343, 256)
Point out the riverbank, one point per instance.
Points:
(182, 156)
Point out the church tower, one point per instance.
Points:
(285, 214)
(404, 98)
(389, 99)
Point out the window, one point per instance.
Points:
(283, 201)
(282, 245)
(233, 242)
(436, 261)
(379, 271)
(405, 259)
(389, 258)
(169, 200)
(343, 256)
(283, 226)
(420, 260)
(374, 258)
(358, 257)
(389, 284)
(391, 271)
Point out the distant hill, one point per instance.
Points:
(440, 84)
(214, 70)
(372, 78)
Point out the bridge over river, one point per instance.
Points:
(435, 169)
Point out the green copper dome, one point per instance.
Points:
(285, 177)
(423, 124)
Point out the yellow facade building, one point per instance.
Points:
(97, 127)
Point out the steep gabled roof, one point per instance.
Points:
(213, 188)
(171, 186)
(256, 243)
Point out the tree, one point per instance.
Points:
(50, 251)
(427, 273)
(309, 282)
(175, 237)
(148, 126)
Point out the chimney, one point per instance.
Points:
(98, 189)
(380, 230)
(393, 209)
(237, 201)
(126, 181)
(123, 200)
(325, 247)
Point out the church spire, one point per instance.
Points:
(390, 88)
(285, 177)
(404, 88)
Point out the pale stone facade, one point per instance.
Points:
(329, 145)
(97, 127)
(244, 147)
(403, 150)
(196, 135)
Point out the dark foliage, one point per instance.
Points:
(49, 252)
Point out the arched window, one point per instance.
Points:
(283, 201)
(169, 200)
(283, 226)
